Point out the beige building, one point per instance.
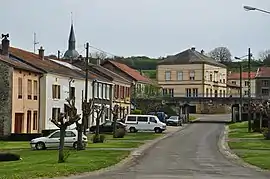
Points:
(233, 90)
(192, 74)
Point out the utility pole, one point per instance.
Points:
(249, 91)
(241, 94)
(86, 87)
(35, 42)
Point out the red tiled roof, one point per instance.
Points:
(263, 72)
(130, 71)
(45, 64)
(235, 76)
(18, 64)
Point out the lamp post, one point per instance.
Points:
(249, 8)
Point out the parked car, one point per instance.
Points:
(107, 127)
(162, 116)
(144, 123)
(53, 140)
(174, 121)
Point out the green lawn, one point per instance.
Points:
(115, 144)
(44, 163)
(251, 147)
(192, 118)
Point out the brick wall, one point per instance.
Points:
(5, 99)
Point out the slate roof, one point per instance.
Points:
(190, 56)
(18, 64)
(129, 71)
(236, 76)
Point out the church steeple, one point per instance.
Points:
(71, 53)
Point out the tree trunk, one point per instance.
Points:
(61, 145)
(268, 132)
(80, 145)
(114, 125)
(97, 126)
(261, 117)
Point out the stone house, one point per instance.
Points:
(262, 80)
(193, 74)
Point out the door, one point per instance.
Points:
(70, 138)
(153, 123)
(53, 140)
(29, 116)
(18, 123)
(143, 123)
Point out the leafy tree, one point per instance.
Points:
(63, 123)
(221, 54)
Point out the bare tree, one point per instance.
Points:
(62, 123)
(265, 56)
(115, 112)
(221, 54)
(100, 112)
(88, 109)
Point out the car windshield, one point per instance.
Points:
(174, 117)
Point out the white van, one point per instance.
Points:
(137, 122)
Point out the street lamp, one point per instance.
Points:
(249, 8)
(249, 80)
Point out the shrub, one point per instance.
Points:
(98, 138)
(266, 133)
(120, 133)
(9, 157)
(136, 111)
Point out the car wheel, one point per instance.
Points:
(132, 129)
(40, 146)
(75, 145)
(158, 130)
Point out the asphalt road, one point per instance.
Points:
(191, 153)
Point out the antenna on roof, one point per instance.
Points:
(35, 42)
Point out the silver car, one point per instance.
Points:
(174, 121)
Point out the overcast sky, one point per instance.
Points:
(138, 27)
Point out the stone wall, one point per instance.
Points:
(214, 108)
(5, 99)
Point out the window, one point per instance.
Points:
(246, 83)
(224, 93)
(56, 91)
(180, 76)
(142, 119)
(108, 89)
(207, 92)
(122, 92)
(216, 93)
(167, 75)
(127, 92)
(234, 82)
(171, 92)
(29, 89)
(206, 76)
(192, 75)
(265, 92)
(220, 93)
(224, 80)
(72, 92)
(55, 135)
(100, 90)
(70, 134)
(152, 119)
(95, 89)
(35, 120)
(220, 78)
(246, 92)
(19, 88)
(131, 118)
(211, 77)
(55, 113)
(35, 89)
(265, 83)
(211, 92)
(165, 91)
(195, 92)
(109, 123)
(216, 76)
(188, 92)
(104, 91)
(116, 91)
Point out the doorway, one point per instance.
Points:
(18, 123)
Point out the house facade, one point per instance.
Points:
(20, 90)
(192, 74)
(233, 90)
(234, 78)
(262, 81)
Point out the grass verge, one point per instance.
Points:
(192, 118)
(37, 164)
(251, 147)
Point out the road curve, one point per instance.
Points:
(190, 154)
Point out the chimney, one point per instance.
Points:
(202, 51)
(58, 54)
(5, 44)
(193, 48)
(41, 53)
